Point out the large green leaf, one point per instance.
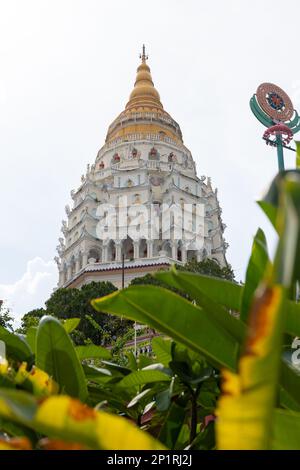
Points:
(270, 202)
(223, 292)
(91, 351)
(172, 425)
(255, 272)
(290, 379)
(176, 317)
(270, 210)
(16, 346)
(286, 430)
(56, 355)
(31, 337)
(70, 324)
(162, 350)
(292, 324)
(194, 286)
(142, 377)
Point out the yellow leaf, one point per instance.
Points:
(245, 409)
(43, 384)
(77, 422)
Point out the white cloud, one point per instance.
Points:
(32, 290)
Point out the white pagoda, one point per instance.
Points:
(143, 163)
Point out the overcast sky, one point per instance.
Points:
(67, 68)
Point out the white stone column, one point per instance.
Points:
(118, 250)
(136, 253)
(183, 254)
(104, 253)
(149, 248)
(69, 272)
(84, 260)
(174, 250)
(199, 256)
(77, 265)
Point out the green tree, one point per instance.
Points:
(31, 318)
(69, 303)
(5, 317)
(207, 267)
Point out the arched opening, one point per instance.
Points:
(153, 154)
(73, 265)
(143, 249)
(95, 255)
(111, 251)
(167, 247)
(127, 248)
(156, 247)
(179, 251)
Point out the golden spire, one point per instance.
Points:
(143, 56)
(144, 94)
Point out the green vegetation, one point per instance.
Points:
(68, 303)
(6, 320)
(226, 354)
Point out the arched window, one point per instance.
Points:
(179, 251)
(153, 154)
(111, 251)
(127, 248)
(116, 158)
(143, 248)
(94, 254)
(166, 246)
(73, 264)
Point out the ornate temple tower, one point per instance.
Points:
(143, 162)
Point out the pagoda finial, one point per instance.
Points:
(144, 56)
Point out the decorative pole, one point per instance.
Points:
(144, 56)
(280, 157)
(123, 270)
(274, 109)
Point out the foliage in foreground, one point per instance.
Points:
(171, 400)
(259, 406)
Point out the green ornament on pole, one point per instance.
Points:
(274, 109)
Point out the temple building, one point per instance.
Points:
(143, 163)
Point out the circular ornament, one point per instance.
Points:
(275, 102)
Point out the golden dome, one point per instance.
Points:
(144, 92)
(144, 113)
